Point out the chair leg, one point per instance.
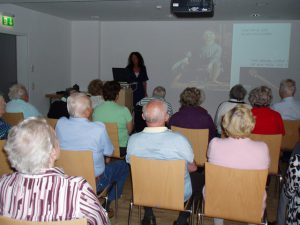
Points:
(130, 212)
(116, 201)
(140, 215)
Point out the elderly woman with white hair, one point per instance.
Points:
(38, 191)
(238, 151)
(268, 121)
(19, 98)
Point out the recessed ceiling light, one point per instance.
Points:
(159, 7)
(255, 15)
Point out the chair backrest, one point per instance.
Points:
(4, 163)
(199, 141)
(234, 194)
(158, 183)
(13, 118)
(52, 122)
(8, 221)
(292, 134)
(274, 142)
(78, 163)
(112, 131)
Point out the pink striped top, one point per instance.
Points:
(49, 196)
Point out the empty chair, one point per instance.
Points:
(199, 141)
(8, 221)
(157, 183)
(13, 118)
(233, 194)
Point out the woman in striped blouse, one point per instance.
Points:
(38, 191)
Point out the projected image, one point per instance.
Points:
(202, 67)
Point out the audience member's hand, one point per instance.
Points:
(107, 160)
(192, 167)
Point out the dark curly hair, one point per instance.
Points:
(140, 58)
(111, 90)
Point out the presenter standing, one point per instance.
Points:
(138, 75)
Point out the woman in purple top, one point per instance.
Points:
(191, 114)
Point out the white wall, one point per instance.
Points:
(47, 60)
(85, 52)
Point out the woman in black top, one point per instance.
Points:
(137, 74)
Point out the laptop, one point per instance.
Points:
(120, 74)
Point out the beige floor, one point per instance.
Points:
(166, 217)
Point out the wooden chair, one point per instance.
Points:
(8, 221)
(233, 194)
(274, 142)
(157, 183)
(292, 134)
(52, 122)
(80, 163)
(112, 131)
(199, 140)
(13, 118)
(4, 163)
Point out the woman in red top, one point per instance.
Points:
(268, 121)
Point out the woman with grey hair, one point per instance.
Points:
(4, 127)
(19, 98)
(236, 97)
(268, 121)
(191, 114)
(38, 191)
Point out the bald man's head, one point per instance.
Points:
(155, 113)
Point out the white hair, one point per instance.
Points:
(288, 87)
(17, 91)
(159, 91)
(157, 113)
(30, 144)
(77, 104)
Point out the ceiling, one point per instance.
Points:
(159, 10)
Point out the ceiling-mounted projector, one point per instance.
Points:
(192, 8)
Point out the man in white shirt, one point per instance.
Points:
(288, 107)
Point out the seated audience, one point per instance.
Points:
(78, 133)
(95, 90)
(238, 150)
(38, 191)
(268, 121)
(59, 108)
(19, 98)
(236, 96)
(191, 114)
(283, 199)
(157, 142)
(4, 127)
(159, 92)
(288, 107)
(112, 112)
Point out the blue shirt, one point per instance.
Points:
(4, 128)
(19, 105)
(161, 143)
(82, 134)
(289, 108)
